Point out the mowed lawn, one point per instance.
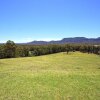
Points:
(75, 76)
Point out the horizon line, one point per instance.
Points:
(45, 40)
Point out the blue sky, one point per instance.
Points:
(28, 20)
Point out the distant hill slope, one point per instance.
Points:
(69, 40)
(65, 40)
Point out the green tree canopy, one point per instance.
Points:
(10, 49)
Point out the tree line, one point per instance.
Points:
(12, 50)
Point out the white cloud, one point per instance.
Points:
(46, 39)
(24, 40)
(3, 41)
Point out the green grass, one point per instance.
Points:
(75, 76)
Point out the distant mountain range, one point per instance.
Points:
(68, 40)
(73, 40)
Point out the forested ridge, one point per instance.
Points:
(69, 40)
(12, 50)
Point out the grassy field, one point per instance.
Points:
(75, 76)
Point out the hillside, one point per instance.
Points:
(69, 40)
(75, 76)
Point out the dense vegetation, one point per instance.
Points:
(11, 50)
(59, 76)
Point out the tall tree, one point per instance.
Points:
(2, 53)
(10, 49)
(68, 48)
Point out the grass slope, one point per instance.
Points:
(75, 76)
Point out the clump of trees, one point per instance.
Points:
(8, 50)
(11, 50)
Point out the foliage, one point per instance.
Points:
(2, 52)
(10, 49)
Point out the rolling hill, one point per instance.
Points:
(69, 40)
(75, 76)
